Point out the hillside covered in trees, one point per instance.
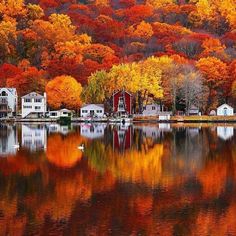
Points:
(180, 52)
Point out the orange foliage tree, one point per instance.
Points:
(64, 91)
(29, 80)
(215, 73)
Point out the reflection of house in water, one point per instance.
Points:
(56, 128)
(165, 126)
(122, 137)
(150, 131)
(8, 139)
(154, 131)
(193, 131)
(34, 137)
(225, 132)
(92, 131)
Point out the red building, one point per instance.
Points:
(122, 103)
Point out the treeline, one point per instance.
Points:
(41, 40)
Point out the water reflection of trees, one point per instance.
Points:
(159, 185)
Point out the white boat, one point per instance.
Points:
(126, 120)
(122, 120)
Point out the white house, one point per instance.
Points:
(60, 113)
(193, 110)
(225, 110)
(92, 110)
(34, 137)
(33, 105)
(8, 102)
(151, 109)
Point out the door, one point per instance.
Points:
(225, 111)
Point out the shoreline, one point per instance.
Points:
(173, 119)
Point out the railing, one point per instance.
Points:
(5, 109)
(3, 101)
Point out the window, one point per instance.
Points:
(27, 100)
(4, 93)
(27, 107)
(38, 100)
(37, 107)
(153, 108)
(38, 142)
(3, 100)
(144, 108)
(84, 111)
(99, 111)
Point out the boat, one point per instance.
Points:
(121, 119)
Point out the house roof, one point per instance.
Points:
(11, 90)
(193, 107)
(97, 105)
(121, 91)
(65, 109)
(61, 110)
(224, 105)
(33, 95)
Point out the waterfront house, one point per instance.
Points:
(225, 110)
(122, 103)
(92, 110)
(8, 102)
(60, 113)
(33, 105)
(151, 109)
(193, 111)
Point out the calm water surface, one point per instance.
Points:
(130, 180)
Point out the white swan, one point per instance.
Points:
(16, 146)
(81, 147)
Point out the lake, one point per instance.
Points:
(147, 179)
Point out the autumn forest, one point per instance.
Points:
(178, 52)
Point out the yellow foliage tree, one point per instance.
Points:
(35, 11)
(59, 28)
(12, 7)
(142, 30)
(160, 3)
